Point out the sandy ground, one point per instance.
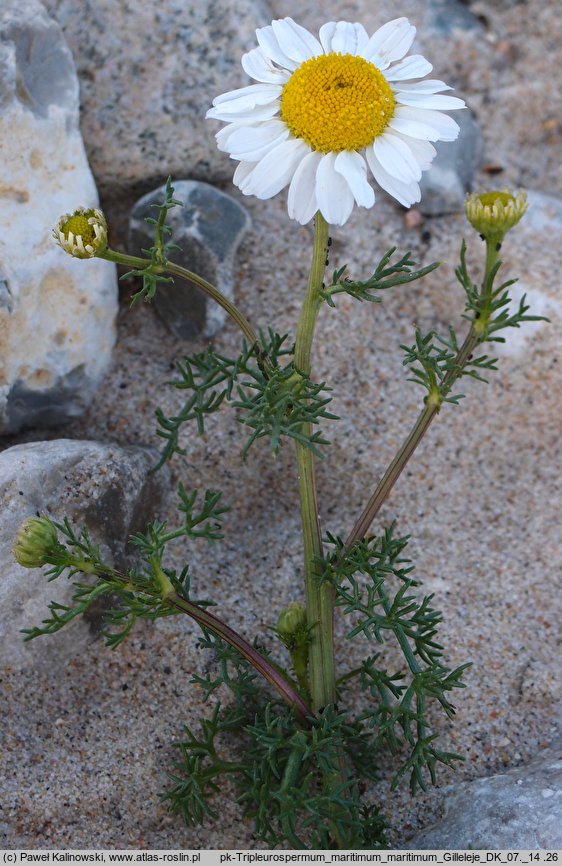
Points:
(87, 747)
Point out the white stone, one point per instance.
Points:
(57, 314)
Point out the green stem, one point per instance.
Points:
(476, 334)
(262, 665)
(140, 264)
(319, 597)
(269, 671)
(410, 444)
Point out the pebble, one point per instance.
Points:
(451, 175)
(208, 229)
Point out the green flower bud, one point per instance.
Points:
(36, 542)
(493, 214)
(292, 621)
(83, 234)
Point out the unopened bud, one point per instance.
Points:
(493, 214)
(292, 620)
(36, 542)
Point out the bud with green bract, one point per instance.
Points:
(37, 543)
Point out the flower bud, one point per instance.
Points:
(493, 214)
(36, 542)
(83, 234)
(292, 620)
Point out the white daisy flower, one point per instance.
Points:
(325, 110)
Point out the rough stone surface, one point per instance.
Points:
(208, 229)
(148, 73)
(521, 809)
(544, 213)
(451, 176)
(104, 488)
(56, 314)
(444, 17)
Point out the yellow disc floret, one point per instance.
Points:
(82, 234)
(337, 102)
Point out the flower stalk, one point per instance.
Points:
(477, 334)
(418, 431)
(138, 264)
(319, 597)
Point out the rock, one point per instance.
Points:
(56, 313)
(102, 487)
(544, 213)
(208, 228)
(443, 17)
(543, 219)
(148, 73)
(446, 183)
(520, 809)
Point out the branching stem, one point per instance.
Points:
(431, 408)
(137, 263)
(410, 444)
(250, 653)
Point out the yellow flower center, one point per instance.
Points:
(489, 199)
(337, 102)
(80, 227)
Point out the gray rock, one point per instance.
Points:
(520, 809)
(208, 228)
(544, 213)
(443, 17)
(148, 73)
(102, 487)
(445, 184)
(56, 313)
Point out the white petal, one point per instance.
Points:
(430, 100)
(243, 169)
(351, 166)
(430, 85)
(406, 193)
(301, 201)
(275, 170)
(335, 199)
(259, 101)
(253, 94)
(258, 66)
(423, 151)
(251, 143)
(268, 43)
(423, 123)
(252, 115)
(414, 66)
(396, 158)
(390, 42)
(224, 134)
(343, 37)
(295, 41)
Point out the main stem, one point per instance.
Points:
(319, 597)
